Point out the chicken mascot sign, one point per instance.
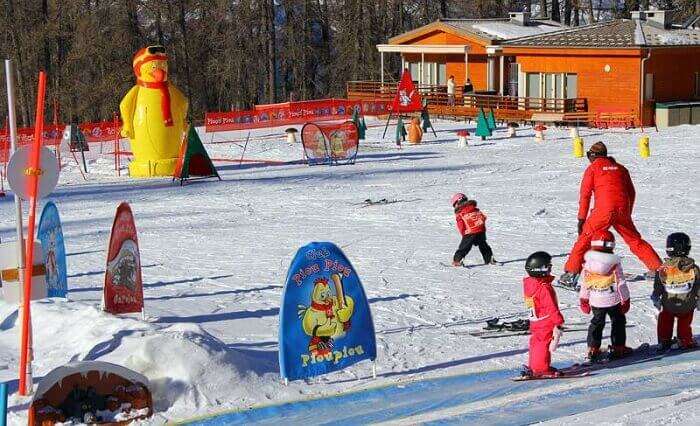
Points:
(325, 321)
(153, 113)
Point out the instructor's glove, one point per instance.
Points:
(585, 306)
(625, 306)
(556, 335)
(580, 225)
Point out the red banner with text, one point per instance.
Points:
(292, 113)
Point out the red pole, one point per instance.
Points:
(117, 148)
(33, 171)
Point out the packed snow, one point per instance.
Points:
(215, 256)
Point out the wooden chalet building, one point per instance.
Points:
(523, 67)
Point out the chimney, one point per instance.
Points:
(658, 18)
(638, 15)
(520, 18)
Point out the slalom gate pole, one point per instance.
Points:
(244, 148)
(387, 125)
(33, 171)
(117, 147)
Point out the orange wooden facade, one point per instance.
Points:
(609, 78)
(455, 64)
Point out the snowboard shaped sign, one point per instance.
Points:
(407, 98)
(123, 291)
(51, 236)
(325, 320)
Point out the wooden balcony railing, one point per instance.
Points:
(437, 96)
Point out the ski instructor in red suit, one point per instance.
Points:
(612, 187)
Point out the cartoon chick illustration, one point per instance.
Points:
(328, 317)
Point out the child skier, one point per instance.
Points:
(471, 223)
(545, 318)
(677, 292)
(604, 292)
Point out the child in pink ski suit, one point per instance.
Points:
(545, 318)
(604, 292)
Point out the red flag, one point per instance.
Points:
(407, 98)
(123, 292)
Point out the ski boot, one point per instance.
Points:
(665, 346)
(493, 261)
(687, 344)
(553, 372)
(457, 263)
(517, 325)
(619, 351)
(569, 280)
(594, 354)
(493, 324)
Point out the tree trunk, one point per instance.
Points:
(567, 12)
(556, 13)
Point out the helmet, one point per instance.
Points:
(603, 239)
(678, 244)
(538, 264)
(596, 150)
(457, 198)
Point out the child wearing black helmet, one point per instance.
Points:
(545, 319)
(677, 293)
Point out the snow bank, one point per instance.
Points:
(189, 370)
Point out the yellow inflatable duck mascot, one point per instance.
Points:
(153, 113)
(326, 318)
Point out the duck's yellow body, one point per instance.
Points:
(153, 115)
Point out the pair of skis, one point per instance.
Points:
(643, 353)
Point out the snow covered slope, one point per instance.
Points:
(215, 256)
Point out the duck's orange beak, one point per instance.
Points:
(158, 75)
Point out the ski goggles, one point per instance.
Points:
(603, 244)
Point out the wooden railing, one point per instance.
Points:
(437, 96)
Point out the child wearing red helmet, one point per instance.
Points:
(604, 292)
(471, 223)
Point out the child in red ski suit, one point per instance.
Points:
(545, 318)
(677, 293)
(471, 223)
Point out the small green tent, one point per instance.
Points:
(194, 162)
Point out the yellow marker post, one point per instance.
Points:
(643, 146)
(578, 147)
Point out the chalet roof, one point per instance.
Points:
(491, 31)
(618, 33)
(502, 29)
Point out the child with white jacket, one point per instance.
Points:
(604, 292)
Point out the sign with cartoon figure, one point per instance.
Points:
(407, 98)
(51, 236)
(325, 320)
(123, 291)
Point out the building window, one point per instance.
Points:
(551, 85)
(571, 88)
(649, 87)
(533, 85)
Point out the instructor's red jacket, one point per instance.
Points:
(611, 184)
